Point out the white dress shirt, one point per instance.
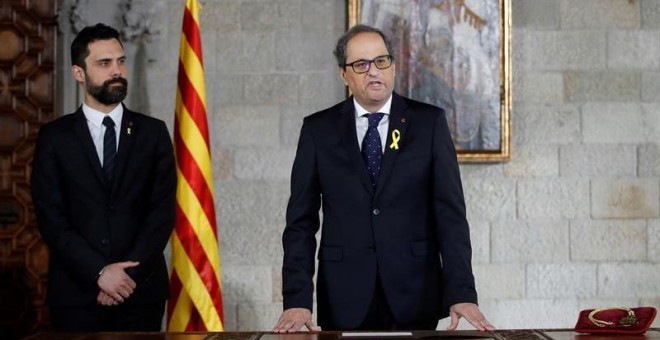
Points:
(362, 122)
(97, 129)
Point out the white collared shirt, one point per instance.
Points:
(362, 122)
(96, 127)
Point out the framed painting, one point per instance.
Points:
(454, 54)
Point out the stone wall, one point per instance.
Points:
(572, 221)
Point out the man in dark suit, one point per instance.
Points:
(104, 190)
(395, 249)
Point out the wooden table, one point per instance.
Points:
(516, 334)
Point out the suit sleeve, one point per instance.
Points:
(452, 227)
(160, 217)
(66, 245)
(302, 223)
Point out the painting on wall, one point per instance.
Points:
(454, 54)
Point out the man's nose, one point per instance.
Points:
(373, 70)
(115, 71)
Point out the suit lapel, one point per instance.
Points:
(346, 124)
(81, 130)
(399, 122)
(126, 137)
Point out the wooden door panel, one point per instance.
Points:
(27, 77)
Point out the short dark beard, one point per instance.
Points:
(106, 95)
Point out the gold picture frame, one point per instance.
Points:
(455, 54)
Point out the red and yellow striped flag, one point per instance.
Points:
(196, 302)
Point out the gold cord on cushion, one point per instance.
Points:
(626, 321)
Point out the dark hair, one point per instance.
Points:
(342, 43)
(89, 34)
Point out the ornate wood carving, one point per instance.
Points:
(27, 75)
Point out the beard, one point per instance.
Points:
(107, 95)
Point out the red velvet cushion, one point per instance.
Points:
(644, 315)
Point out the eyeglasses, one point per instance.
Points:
(362, 66)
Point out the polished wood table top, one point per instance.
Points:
(514, 334)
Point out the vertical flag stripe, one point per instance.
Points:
(191, 32)
(200, 262)
(200, 186)
(201, 299)
(195, 281)
(191, 72)
(195, 145)
(189, 215)
(192, 103)
(179, 318)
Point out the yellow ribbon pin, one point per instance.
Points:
(396, 137)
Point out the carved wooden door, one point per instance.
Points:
(27, 75)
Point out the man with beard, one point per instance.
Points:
(104, 190)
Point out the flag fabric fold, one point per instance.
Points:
(196, 288)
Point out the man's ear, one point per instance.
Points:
(78, 73)
(342, 75)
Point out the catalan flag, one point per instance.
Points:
(196, 302)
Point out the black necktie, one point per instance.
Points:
(109, 147)
(372, 151)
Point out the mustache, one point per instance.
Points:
(118, 80)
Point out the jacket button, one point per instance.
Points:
(376, 211)
(112, 208)
(372, 249)
(105, 241)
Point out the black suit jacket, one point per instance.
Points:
(88, 223)
(412, 230)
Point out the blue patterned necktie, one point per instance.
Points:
(372, 151)
(109, 147)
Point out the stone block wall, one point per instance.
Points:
(572, 221)
(579, 227)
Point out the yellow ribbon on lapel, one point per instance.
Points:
(396, 137)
